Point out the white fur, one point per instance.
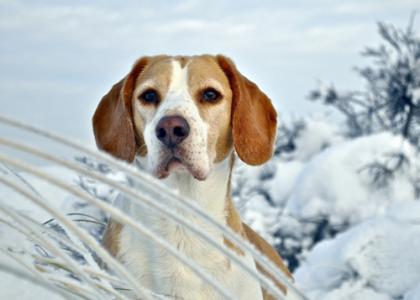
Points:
(155, 268)
(160, 271)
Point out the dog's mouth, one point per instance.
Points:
(175, 164)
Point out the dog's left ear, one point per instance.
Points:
(113, 121)
(254, 119)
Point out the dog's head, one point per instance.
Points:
(184, 114)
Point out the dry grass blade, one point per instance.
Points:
(153, 187)
(141, 199)
(82, 235)
(117, 214)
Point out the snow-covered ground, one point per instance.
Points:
(344, 213)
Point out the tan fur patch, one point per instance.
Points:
(156, 75)
(265, 248)
(233, 220)
(204, 72)
(183, 60)
(112, 237)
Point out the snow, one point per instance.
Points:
(24, 290)
(378, 254)
(25, 249)
(53, 195)
(350, 233)
(282, 184)
(416, 96)
(318, 135)
(12, 286)
(336, 184)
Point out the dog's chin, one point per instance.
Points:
(175, 165)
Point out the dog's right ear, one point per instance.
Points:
(113, 119)
(254, 119)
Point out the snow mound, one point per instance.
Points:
(281, 186)
(377, 257)
(344, 214)
(317, 135)
(336, 184)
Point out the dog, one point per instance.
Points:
(182, 118)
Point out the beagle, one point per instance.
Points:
(181, 118)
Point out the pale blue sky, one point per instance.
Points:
(58, 58)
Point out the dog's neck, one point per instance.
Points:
(210, 194)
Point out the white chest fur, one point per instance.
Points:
(158, 270)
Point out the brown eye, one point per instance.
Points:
(150, 96)
(210, 95)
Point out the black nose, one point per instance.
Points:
(171, 131)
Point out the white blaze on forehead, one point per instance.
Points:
(178, 100)
(179, 79)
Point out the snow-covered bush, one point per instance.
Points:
(376, 259)
(346, 235)
(263, 192)
(342, 206)
(391, 98)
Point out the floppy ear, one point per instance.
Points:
(113, 121)
(254, 118)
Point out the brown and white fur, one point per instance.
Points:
(240, 119)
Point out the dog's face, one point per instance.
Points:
(182, 109)
(183, 114)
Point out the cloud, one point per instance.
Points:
(51, 50)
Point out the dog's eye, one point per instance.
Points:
(210, 95)
(150, 96)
